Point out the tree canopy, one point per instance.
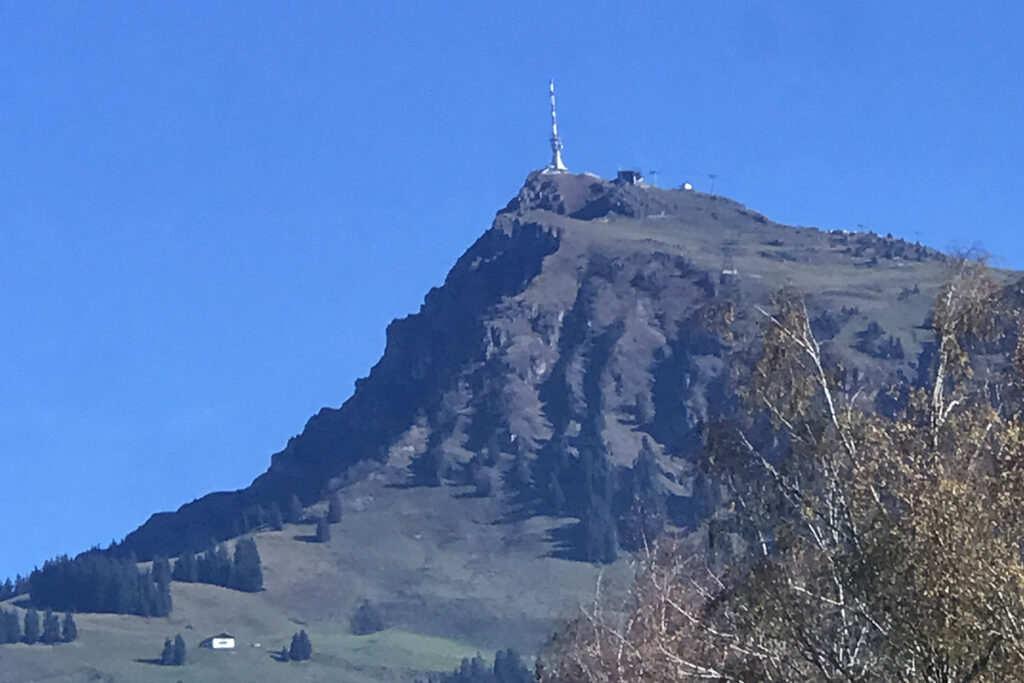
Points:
(881, 545)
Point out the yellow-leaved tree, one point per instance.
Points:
(881, 547)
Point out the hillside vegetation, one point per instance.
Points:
(452, 577)
(552, 405)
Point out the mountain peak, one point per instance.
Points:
(577, 326)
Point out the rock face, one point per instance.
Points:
(581, 329)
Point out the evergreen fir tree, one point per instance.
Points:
(334, 508)
(284, 655)
(274, 517)
(69, 630)
(167, 656)
(323, 530)
(31, 626)
(51, 629)
(366, 620)
(206, 570)
(509, 668)
(296, 652)
(600, 538)
(246, 570)
(556, 497)
(307, 645)
(644, 501)
(10, 627)
(186, 569)
(162, 602)
(598, 533)
(221, 566)
(254, 517)
(428, 469)
(161, 570)
(178, 656)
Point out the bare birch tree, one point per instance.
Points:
(880, 547)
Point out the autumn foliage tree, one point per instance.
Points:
(880, 546)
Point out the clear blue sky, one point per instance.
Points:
(209, 211)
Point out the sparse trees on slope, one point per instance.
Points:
(243, 571)
(884, 548)
(508, 668)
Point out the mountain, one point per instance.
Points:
(580, 320)
(546, 405)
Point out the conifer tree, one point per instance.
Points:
(556, 496)
(334, 508)
(301, 648)
(366, 620)
(246, 570)
(10, 627)
(274, 517)
(644, 502)
(323, 530)
(223, 564)
(161, 570)
(167, 656)
(162, 601)
(31, 626)
(51, 629)
(186, 569)
(5, 628)
(178, 656)
(69, 630)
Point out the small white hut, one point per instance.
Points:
(221, 641)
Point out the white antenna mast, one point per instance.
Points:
(556, 142)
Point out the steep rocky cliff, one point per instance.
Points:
(583, 329)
